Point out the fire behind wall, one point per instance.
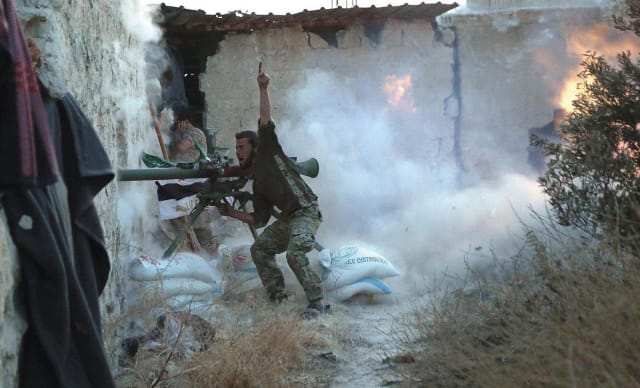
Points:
(422, 133)
(515, 68)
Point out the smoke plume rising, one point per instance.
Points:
(377, 187)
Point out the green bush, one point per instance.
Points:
(593, 178)
(565, 311)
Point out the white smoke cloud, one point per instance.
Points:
(129, 198)
(137, 204)
(377, 189)
(488, 6)
(138, 20)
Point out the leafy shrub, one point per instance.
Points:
(593, 178)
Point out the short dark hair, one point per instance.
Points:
(249, 134)
(180, 112)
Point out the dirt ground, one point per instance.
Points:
(359, 349)
(363, 361)
(357, 339)
(362, 348)
(361, 339)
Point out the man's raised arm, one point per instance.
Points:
(265, 103)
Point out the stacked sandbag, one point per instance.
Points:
(352, 270)
(239, 270)
(179, 283)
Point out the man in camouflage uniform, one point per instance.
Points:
(277, 182)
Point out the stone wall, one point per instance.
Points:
(514, 68)
(499, 5)
(372, 105)
(12, 325)
(360, 64)
(94, 50)
(479, 82)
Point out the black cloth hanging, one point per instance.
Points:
(63, 259)
(26, 155)
(53, 167)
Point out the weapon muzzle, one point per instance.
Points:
(154, 174)
(309, 167)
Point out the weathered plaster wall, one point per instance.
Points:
(12, 325)
(89, 51)
(359, 65)
(513, 66)
(485, 5)
(479, 82)
(374, 109)
(502, 75)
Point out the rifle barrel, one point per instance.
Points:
(154, 174)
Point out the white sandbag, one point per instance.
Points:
(182, 265)
(370, 286)
(242, 261)
(237, 263)
(351, 263)
(150, 294)
(166, 288)
(241, 272)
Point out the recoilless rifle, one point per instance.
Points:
(217, 189)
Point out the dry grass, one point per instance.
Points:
(260, 355)
(567, 316)
(256, 344)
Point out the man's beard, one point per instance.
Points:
(247, 163)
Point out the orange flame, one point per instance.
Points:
(399, 91)
(569, 93)
(600, 38)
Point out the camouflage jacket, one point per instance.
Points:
(277, 181)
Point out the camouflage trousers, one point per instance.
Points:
(294, 234)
